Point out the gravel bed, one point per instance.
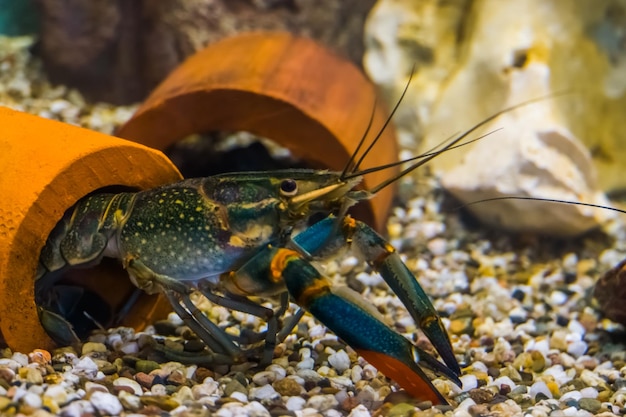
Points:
(518, 308)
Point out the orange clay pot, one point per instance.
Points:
(46, 167)
(279, 86)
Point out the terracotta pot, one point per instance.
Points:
(279, 86)
(46, 167)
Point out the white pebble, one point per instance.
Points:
(575, 326)
(577, 349)
(295, 403)
(20, 358)
(130, 383)
(307, 363)
(558, 298)
(322, 402)
(437, 246)
(340, 361)
(129, 348)
(369, 372)
(207, 388)
(571, 395)
(129, 401)
(32, 400)
(264, 377)
(591, 379)
(359, 411)
(469, 382)
(504, 380)
(56, 393)
(106, 403)
(539, 387)
(278, 371)
(266, 392)
(239, 396)
(77, 409)
(371, 280)
(466, 404)
(589, 392)
(255, 408)
(85, 365)
(9, 363)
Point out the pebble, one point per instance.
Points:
(105, 403)
(322, 402)
(295, 403)
(340, 361)
(129, 383)
(288, 387)
(266, 392)
(540, 388)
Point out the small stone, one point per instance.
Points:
(590, 404)
(129, 401)
(239, 396)
(540, 387)
(40, 357)
(233, 386)
(295, 403)
(288, 387)
(469, 382)
(264, 378)
(266, 392)
(90, 347)
(32, 375)
(176, 377)
(340, 361)
(161, 401)
(144, 379)
(360, 411)
(134, 386)
(105, 403)
(146, 366)
(577, 348)
(322, 402)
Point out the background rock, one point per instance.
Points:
(118, 50)
(474, 59)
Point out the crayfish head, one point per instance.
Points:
(319, 191)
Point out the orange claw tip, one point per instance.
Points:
(411, 378)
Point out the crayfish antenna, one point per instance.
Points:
(547, 200)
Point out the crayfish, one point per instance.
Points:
(235, 236)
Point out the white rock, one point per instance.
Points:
(127, 382)
(129, 401)
(295, 403)
(106, 403)
(266, 392)
(589, 392)
(56, 393)
(322, 402)
(539, 387)
(340, 361)
(32, 400)
(77, 409)
(359, 411)
(504, 380)
(469, 382)
(239, 396)
(85, 365)
(577, 349)
(472, 63)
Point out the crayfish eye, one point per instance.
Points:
(288, 187)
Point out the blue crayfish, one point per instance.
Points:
(234, 236)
